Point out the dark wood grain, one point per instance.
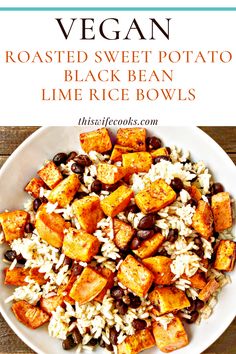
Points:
(11, 137)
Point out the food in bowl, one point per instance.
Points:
(120, 245)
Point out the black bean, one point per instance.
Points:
(59, 158)
(194, 316)
(216, 234)
(20, 259)
(80, 195)
(176, 184)
(193, 202)
(76, 336)
(172, 235)
(217, 188)
(139, 324)
(77, 168)
(109, 347)
(126, 299)
(135, 301)
(29, 228)
(135, 243)
(10, 255)
(153, 143)
(56, 270)
(209, 196)
(93, 342)
(44, 199)
(113, 336)
(110, 187)
(71, 156)
(192, 306)
(157, 229)
(147, 222)
(145, 234)
(68, 343)
(36, 204)
(199, 304)
(117, 292)
(159, 158)
(76, 269)
(96, 186)
(163, 252)
(67, 261)
(132, 209)
(121, 307)
(83, 160)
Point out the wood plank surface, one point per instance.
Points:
(11, 137)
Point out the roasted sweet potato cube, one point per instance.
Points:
(134, 138)
(222, 213)
(118, 151)
(16, 276)
(31, 316)
(51, 303)
(123, 234)
(172, 338)
(136, 343)
(194, 192)
(97, 140)
(160, 152)
(64, 290)
(116, 201)
(150, 246)
(110, 174)
(168, 299)
(88, 212)
(64, 192)
(50, 174)
(225, 256)
(33, 187)
(87, 286)
(198, 280)
(209, 289)
(109, 275)
(135, 276)
(37, 276)
(80, 246)
(13, 224)
(202, 220)
(160, 268)
(155, 197)
(50, 227)
(137, 161)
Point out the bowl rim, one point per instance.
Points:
(207, 139)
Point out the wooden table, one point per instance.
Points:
(11, 137)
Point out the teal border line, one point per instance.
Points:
(128, 9)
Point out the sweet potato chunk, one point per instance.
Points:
(109, 275)
(202, 220)
(51, 303)
(172, 338)
(116, 201)
(160, 152)
(50, 174)
(110, 174)
(16, 276)
(31, 316)
(134, 138)
(137, 161)
(209, 289)
(37, 276)
(168, 299)
(50, 227)
(64, 192)
(64, 290)
(221, 208)
(197, 280)
(97, 140)
(118, 151)
(33, 187)
(136, 343)
(150, 246)
(13, 224)
(87, 286)
(225, 256)
(155, 197)
(135, 276)
(194, 193)
(160, 268)
(88, 211)
(80, 245)
(123, 234)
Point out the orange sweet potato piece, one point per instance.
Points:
(150, 246)
(13, 224)
(123, 233)
(16, 276)
(208, 290)
(97, 140)
(160, 152)
(137, 161)
(134, 138)
(197, 280)
(31, 316)
(109, 275)
(136, 343)
(116, 201)
(64, 192)
(225, 255)
(118, 151)
(110, 174)
(50, 174)
(160, 268)
(222, 213)
(202, 220)
(33, 187)
(50, 304)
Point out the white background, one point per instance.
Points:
(21, 84)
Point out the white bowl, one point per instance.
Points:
(42, 145)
